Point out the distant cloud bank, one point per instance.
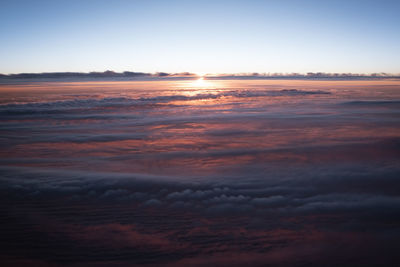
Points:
(188, 75)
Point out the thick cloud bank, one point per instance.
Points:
(263, 177)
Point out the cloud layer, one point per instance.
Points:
(287, 177)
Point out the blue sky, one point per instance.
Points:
(200, 36)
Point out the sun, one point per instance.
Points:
(200, 82)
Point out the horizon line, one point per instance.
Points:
(131, 75)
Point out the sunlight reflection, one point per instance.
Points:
(198, 86)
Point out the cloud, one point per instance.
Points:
(112, 75)
(157, 216)
(373, 103)
(315, 194)
(172, 179)
(88, 103)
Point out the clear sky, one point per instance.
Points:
(200, 36)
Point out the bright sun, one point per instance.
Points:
(201, 82)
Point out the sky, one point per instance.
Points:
(200, 36)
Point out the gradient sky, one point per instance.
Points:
(200, 36)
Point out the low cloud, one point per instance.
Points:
(279, 177)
